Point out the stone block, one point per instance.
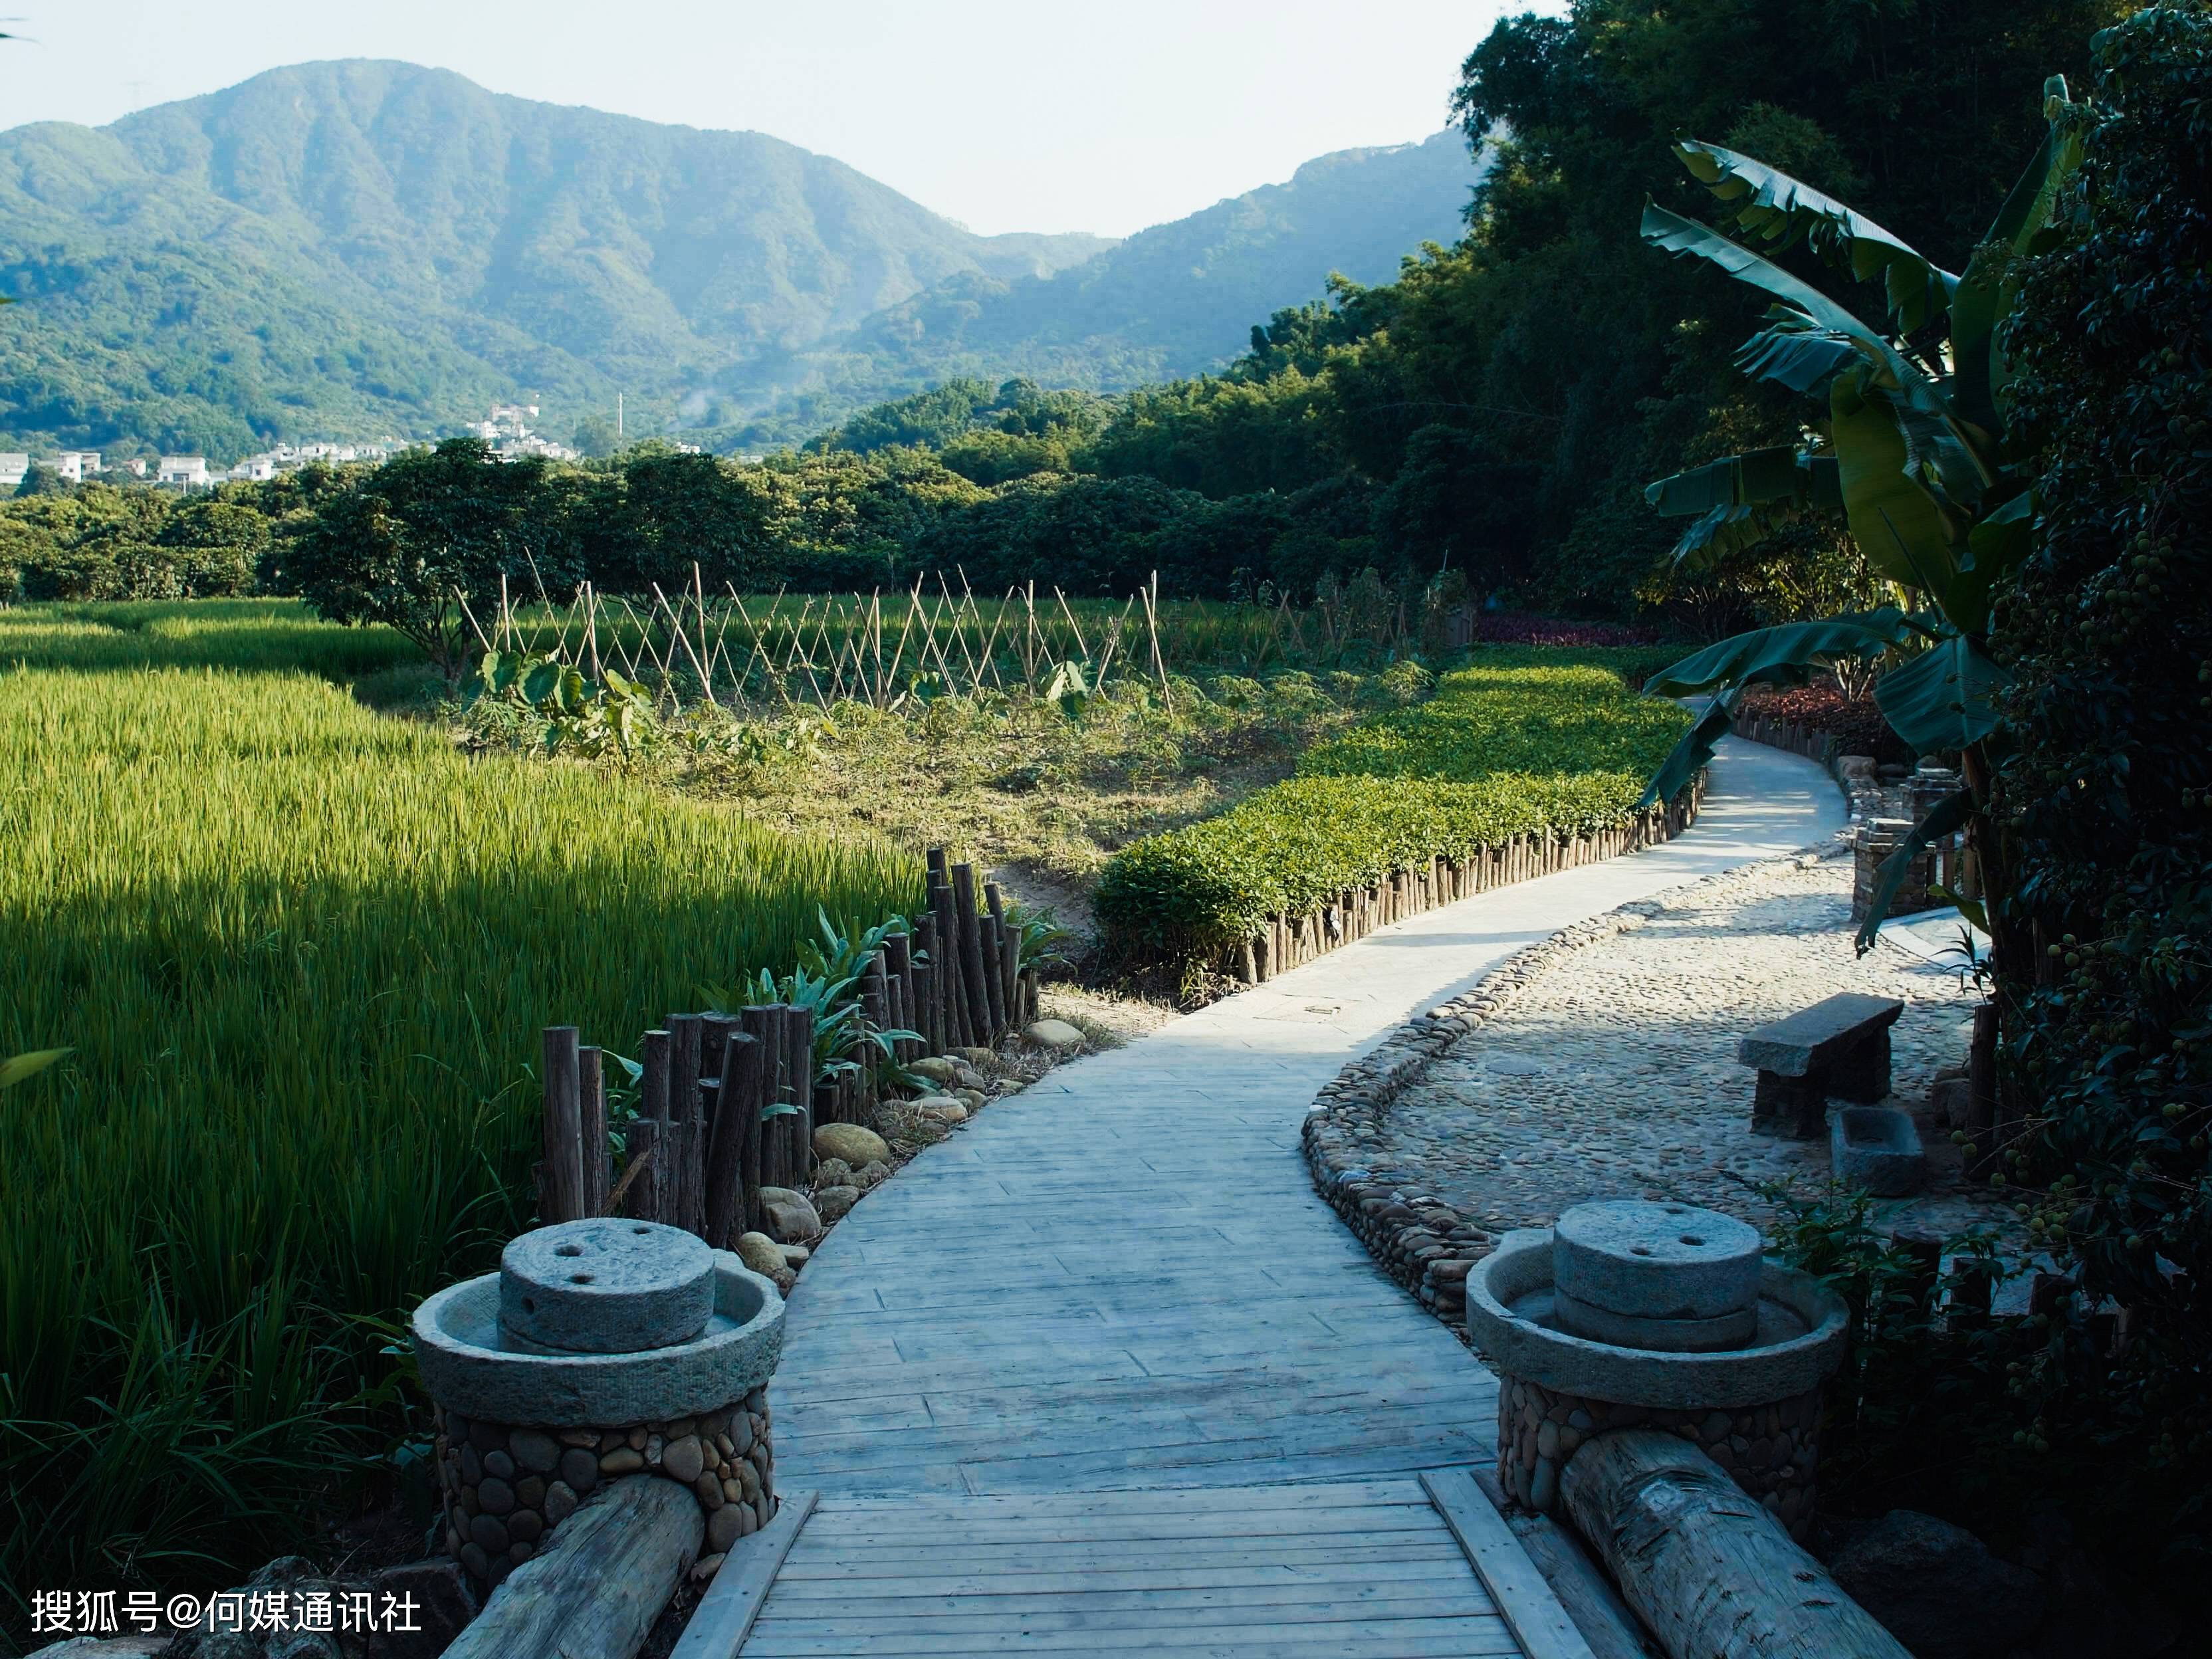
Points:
(1808, 1042)
(1793, 1108)
(1876, 1147)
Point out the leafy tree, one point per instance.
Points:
(40, 479)
(424, 533)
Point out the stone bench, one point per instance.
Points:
(1839, 1047)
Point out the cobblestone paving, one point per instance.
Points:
(1612, 1072)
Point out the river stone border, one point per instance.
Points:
(1417, 1238)
(505, 1487)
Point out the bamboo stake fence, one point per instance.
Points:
(776, 652)
(728, 1102)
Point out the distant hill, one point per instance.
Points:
(1173, 300)
(349, 249)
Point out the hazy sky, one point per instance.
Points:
(1036, 116)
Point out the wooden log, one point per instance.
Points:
(798, 1075)
(765, 1027)
(633, 1195)
(591, 1130)
(737, 1118)
(898, 970)
(952, 976)
(1010, 941)
(651, 1196)
(981, 1028)
(1706, 1568)
(684, 1037)
(594, 1590)
(995, 969)
(995, 928)
(773, 1032)
(561, 1182)
(925, 982)
(1981, 1071)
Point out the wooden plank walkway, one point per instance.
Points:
(1122, 1282)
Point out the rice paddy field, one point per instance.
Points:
(301, 952)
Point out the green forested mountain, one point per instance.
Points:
(1169, 301)
(362, 248)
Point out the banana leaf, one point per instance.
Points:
(1793, 352)
(1675, 234)
(1901, 528)
(1947, 817)
(1995, 548)
(1780, 209)
(1756, 475)
(1695, 749)
(1945, 698)
(1787, 655)
(1986, 294)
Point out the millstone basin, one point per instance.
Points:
(1662, 1316)
(660, 1327)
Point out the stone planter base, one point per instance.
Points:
(1772, 1451)
(505, 1488)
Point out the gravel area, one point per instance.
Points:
(1614, 1074)
(1601, 1064)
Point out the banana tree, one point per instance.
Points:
(1914, 460)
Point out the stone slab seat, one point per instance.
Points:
(1837, 1048)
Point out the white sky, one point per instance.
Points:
(1047, 115)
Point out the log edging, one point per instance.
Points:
(1284, 941)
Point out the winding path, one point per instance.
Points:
(1120, 1287)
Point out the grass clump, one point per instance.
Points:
(1522, 741)
(303, 953)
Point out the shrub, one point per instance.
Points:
(2106, 797)
(1522, 742)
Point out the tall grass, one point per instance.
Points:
(251, 634)
(301, 953)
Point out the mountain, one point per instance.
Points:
(357, 248)
(1171, 300)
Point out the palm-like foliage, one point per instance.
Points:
(1914, 458)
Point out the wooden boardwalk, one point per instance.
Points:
(1103, 1364)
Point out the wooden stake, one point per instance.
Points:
(563, 1180)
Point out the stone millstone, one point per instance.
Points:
(606, 1285)
(1655, 1261)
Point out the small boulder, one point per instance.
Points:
(870, 1175)
(445, 1601)
(758, 1252)
(851, 1144)
(795, 1256)
(834, 1203)
(791, 1218)
(976, 1056)
(831, 1172)
(938, 1068)
(1054, 1034)
(1950, 1103)
(967, 1078)
(945, 1111)
(971, 1098)
(1936, 1588)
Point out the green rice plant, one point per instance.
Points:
(248, 634)
(301, 953)
(1524, 741)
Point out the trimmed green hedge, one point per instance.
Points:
(1524, 740)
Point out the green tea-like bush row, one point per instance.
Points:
(1524, 741)
(303, 953)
